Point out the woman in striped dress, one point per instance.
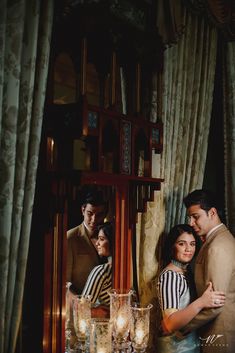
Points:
(176, 293)
(99, 281)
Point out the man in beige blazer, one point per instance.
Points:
(216, 263)
(82, 255)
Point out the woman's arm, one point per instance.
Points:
(97, 278)
(180, 318)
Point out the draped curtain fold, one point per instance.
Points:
(219, 12)
(229, 134)
(187, 104)
(25, 33)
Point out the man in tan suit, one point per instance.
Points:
(82, 255)
(216, 263)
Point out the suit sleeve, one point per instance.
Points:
(218, 271)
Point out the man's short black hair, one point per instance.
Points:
(202, 197)
(95, 198)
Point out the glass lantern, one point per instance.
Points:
(139, 331)
(82, 318)
(120, 317)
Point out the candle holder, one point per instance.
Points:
(120, 317)
(101, 336)
(139, 331)
(82, 318)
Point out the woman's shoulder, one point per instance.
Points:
(166, 270)
(167, 273)
(102, 268)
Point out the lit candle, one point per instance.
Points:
(139, 335)
(120, 323)
(52, 151)
(82, 326)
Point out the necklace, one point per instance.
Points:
(179, 264)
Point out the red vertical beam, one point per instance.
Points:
(117, 249)
(122, 259)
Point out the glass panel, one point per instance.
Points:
(92, 120)
(110, 149)
(155, 136)
(65, 80)
(142, 158)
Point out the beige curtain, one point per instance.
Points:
(229, 134)
(25, 31)
(187, 105)
(221, 13)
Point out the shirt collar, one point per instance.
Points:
(212, 230)
(90, 235)
(85, 226)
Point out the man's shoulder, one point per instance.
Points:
(224, 231)
(76, 231)
(223, 238)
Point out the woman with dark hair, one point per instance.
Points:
(99, 281)
(176, 292)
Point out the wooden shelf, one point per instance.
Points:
(104, 178)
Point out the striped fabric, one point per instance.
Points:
(98, 284)
(171, 287)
